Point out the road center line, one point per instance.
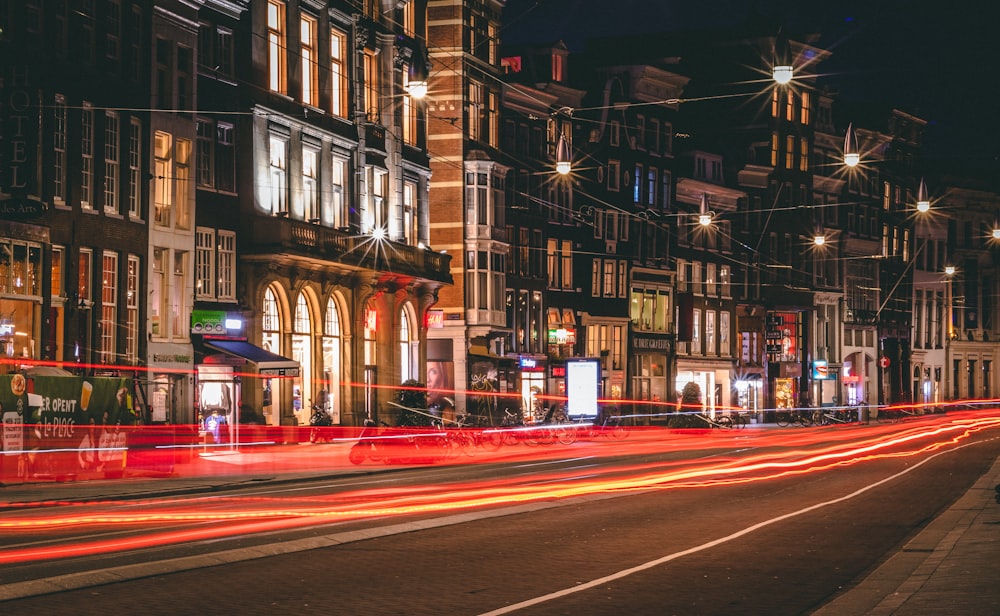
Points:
(711, 544)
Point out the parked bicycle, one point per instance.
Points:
(785, 418)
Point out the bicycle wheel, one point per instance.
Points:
(739, 421)
(490, 438)
(724, 422)
(565, 434)
(806, 420)
(782, 419)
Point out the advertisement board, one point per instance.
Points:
(583, 384)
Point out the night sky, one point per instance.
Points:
(939, 61)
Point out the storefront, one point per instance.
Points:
(533, 388)
(230, 365)
(650, 359)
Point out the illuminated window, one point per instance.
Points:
(310, 72)
(279, 174)
(163, 152)
(338, 73)
(338, 214)
(475, 111)
(310, 183)
(109, 307)
(132, 309)
(372, 104)
(204, 263)
(182, 182)
(804, 113)
(276, 46)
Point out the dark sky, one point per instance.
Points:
(939, 60)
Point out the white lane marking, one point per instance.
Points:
(711, 544)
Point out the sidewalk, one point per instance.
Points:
(951, 567)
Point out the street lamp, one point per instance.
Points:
(705, 216)
(564, 155)
(416, 75)
(923, 201)
(852, 156)
(782, 71)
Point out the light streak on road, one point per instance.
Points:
(169, 521)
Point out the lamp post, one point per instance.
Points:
(949, 272)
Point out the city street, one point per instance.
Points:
(764, 520)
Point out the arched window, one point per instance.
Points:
(271, 340)
(302, 386)
(332, 377)
(407, 347)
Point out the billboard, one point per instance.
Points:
(583, 384)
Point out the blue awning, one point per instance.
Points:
(267, 363)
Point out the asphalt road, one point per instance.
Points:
(780, 546)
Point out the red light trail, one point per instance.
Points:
(790, 454)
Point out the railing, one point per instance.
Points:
(307, 239)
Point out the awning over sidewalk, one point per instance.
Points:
(267, 362)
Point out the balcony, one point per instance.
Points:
(302, 239)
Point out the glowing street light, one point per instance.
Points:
(782, 70)
(852, 156)
(923, 201)
(704, 214)
(564, 156)
(416, 81)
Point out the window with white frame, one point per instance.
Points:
(710, 278)
(278, 173)
(87, 157)
(59, 150)
(226, 265)
(204, 263)
(337, 216)
(622, 278)
(377, 209)
(724, 349)
(595, 278)
(331, 355)
(310, 183)
(484, 279)
(614, 175)
(158, 296)
(132, 309)
(609, 278)
(710, 332)
(409, 234)
(407, 348)
(179, 306)
(696, 331)
(109, 307)
(617, 346)
(135, 167)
